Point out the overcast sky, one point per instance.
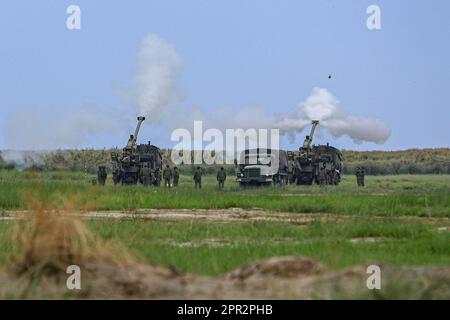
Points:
(236, 54)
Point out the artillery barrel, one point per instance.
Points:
(133, 138)
(136, 132)
(308, 141)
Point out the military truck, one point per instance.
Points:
(262, 167)
(137, 162)
(321, 164)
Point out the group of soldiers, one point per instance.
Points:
(171, 177)
(146, 175)
(168, 175)
(327, 175)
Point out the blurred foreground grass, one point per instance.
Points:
(412, 195)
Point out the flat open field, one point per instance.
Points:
(401, 220)
(402, 195)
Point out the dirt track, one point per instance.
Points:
(226, 215)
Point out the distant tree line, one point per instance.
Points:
(6, 165)
(412, 161)
(398, 167)
(415, 161)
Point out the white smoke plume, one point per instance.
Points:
(154, 89)
(155, 94)
(322, 105)
(54, 128)
(156, 78)
(23, 159)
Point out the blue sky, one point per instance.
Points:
(236, 53)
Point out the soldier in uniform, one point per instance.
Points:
(115, 168)
(176, 176)
(322, 174)
(198, 178)
(167, 175)
(126, 158)
(101, 175)
(328, 173)
(221, 177)
(157, 177)
(146, 174)
(360, 176)
(116, 174)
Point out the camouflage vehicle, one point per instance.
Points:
(262, 167)
(137, 162)
(321, 164)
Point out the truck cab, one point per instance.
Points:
(262, 167)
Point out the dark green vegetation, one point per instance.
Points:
(413, 161)
(211, 248)
(215, 248)
(388, 220)
(420, 195)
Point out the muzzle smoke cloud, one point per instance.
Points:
(53, 128)
(156, 77)
(159, 66)
(155, 94)
(322, 105)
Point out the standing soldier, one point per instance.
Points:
(101, 175)
(360, 176)
(167, 175)
(157, 177)
(357, 172)
(322, 174)
(176, 176)
(198, 178)
(221, 177)
(116, 177)
(328, 173)
(146, 174)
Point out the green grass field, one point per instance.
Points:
(230, 245)
(214, 248)
(412, 195)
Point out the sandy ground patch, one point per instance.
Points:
(227, 215)
(292, 277)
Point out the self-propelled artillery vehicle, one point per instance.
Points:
(137, 162)
(321, 164)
